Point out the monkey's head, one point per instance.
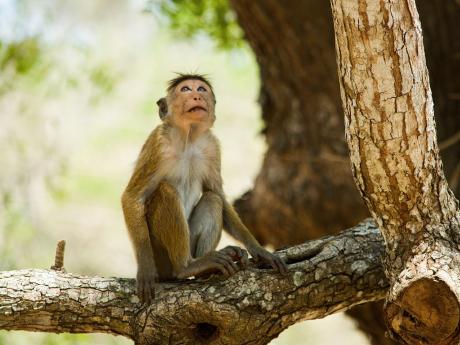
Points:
(190, 100)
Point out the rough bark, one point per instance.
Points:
(305, 189)
(391, 135)
(294, 47)
(252, 307)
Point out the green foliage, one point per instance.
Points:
(33, 76)
(74, 115)
(22, 55)
(103, 78)
(18, 229)
(188, 18)
(21, 59)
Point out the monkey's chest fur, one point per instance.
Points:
(186, 169)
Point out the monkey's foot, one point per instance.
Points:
(237, 254)
(210, 263)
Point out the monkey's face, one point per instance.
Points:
(192, 101)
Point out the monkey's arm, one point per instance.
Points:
(232, 222)
(234, 225)
(138, 232)
(133, 205)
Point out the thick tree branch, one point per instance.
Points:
(253, 306)
(54, 301)
(391, 134)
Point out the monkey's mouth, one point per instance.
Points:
(196, 108)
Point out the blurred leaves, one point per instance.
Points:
(21, 58)
(102, 77)
(77, 91)
(22, 55)
(189, 18)
(45, 88)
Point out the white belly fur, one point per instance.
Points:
(189, 194)
(185, 171)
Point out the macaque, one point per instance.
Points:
(174, 205)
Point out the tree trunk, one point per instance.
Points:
(391, 135)
(306, 166)
(251, 307)
(305, 187)
(441, 31)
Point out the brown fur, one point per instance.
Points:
(174, 204)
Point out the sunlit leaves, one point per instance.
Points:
(189, 18)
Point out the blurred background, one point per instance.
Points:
(78, 91)
(78, 85)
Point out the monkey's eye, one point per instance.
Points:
(185, 88)
(201, 89)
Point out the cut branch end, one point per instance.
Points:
(59, 257)
(426, 312)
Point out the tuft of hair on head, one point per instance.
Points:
(188, 76)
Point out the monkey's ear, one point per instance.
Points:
(162, 108)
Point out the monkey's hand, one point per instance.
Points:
(237, 254)
(261, 255)
(210, 263)
(145, 283)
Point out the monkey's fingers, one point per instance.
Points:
(207, 265)
(237, 254)
(140, 291)
(244, 257)
(145, 291)
(221, 266)
(204, 266)
(241, 256)
(147, 297)
(227, 262)
(274, 261)
(279, 265)
(145, 284)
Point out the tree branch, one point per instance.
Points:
(391, 135)
(325, 276)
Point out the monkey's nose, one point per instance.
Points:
(197, 98)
